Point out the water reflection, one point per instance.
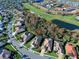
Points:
(65, 25)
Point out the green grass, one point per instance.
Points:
(10, 48)
(37, 11)
(0, 17)
(18, 36)
(37, 49)
(3, 37)
(67, 37)
(69, 19)
(52, 54)
(13, 28)
(28, 44)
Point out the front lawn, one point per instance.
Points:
(10, 48)
(37, 49)
(52, 54)
(18, 36)
(28, 44)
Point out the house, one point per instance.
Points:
(69, 9)
(27, 37)
(6, 54)
(37, 41)
(59, 9)
(48, 42)
(18, 23)
(47, 46)
(51, 44)
(70, 50)
(20, 19)
(58, 47)
(19, 29)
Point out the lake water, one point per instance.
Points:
(65, 25)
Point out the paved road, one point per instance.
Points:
(22, 51)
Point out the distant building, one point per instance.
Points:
(73, 3)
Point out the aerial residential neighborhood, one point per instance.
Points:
(39, 29)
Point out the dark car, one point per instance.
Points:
(25, 57)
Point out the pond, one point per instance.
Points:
(65, 25)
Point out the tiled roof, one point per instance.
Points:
(70, 50)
